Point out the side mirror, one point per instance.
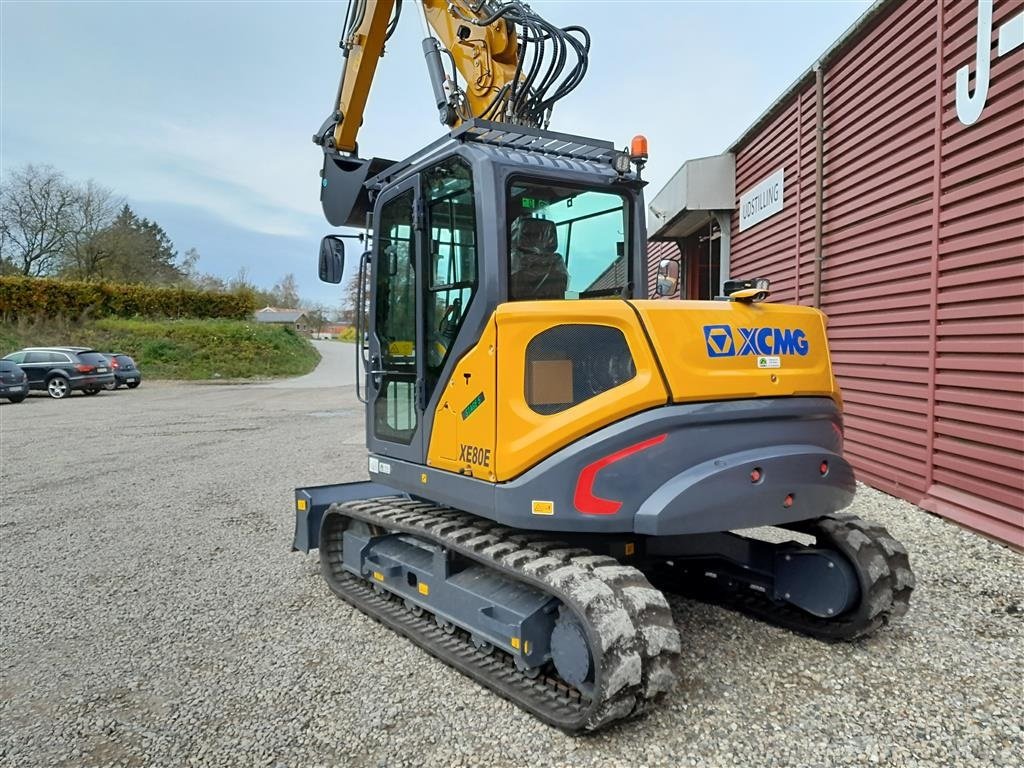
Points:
(668, 277)
(332, 259)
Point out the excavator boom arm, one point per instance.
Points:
(364, 45)
(505, 77)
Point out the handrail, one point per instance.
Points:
(364, 259)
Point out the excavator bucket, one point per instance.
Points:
(343, 194)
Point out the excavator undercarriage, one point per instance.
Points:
(577, 638)
(574, 638)
(581, 639)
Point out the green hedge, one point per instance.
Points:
(176, 349)
(22, 297)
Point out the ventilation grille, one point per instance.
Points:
(569, 364)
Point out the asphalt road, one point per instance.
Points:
(337, 368)
(152, 614)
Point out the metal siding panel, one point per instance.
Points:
(899, 274)
(985, 421)
(978, 513)
(880, 191)
(779, 248)
(998, 306)
(999, 405)
(888, 470)
(912, 142)
(864, 247)
(923, 276)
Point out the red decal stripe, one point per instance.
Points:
(584, 498)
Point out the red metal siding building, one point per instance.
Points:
(900, 213)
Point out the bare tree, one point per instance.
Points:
(336, 314)
(316, 315)
(36, 219)
(286, 292)
(190, 263)
(94, 211)
(241, 282)
(350, 302)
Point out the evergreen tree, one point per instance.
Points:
(137, 251)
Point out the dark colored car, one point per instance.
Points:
(126, 373)
(13, 382)
(61, 370)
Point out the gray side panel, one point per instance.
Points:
(708, 435)
(459, 491)
(319, 497)
(696, 477)
(718, 495)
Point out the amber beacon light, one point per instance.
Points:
(638, 148)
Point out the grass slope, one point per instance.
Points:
(178, 349)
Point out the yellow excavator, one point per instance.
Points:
(551, 451)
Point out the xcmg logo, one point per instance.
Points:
(726, 341)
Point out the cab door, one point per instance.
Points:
(395, 372)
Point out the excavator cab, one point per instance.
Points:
(484, 217)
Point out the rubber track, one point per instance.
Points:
(633, 640)
(881, 563)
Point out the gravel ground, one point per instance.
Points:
(153, 615)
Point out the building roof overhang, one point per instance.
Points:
(685, 204)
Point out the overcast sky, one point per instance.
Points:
(200, 113)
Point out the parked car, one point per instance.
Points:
(61, 370)
(125, 371)
(13, 382)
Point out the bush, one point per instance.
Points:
(22, 297)
(177, 349)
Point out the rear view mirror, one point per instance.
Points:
(332, 259)
(668, 277)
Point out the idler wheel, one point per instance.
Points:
(570, 651)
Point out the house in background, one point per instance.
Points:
(295, 318)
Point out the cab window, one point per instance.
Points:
(394, 408)
(451, 259)
(566, 242)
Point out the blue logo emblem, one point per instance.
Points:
(718, 339)
(721, 341)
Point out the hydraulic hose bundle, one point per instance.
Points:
(506, 65)
(552, 62)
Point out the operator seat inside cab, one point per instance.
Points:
(537, 272)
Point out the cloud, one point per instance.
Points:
(266, 183)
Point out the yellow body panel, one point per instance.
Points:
(526, 437)
(708, 350)
(463, 437)
(502, 436)
(787, 353)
